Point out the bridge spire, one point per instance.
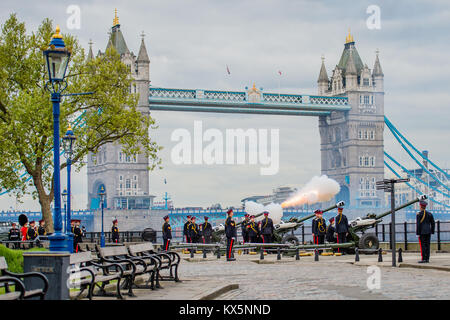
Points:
(116, 18)
(349, 38)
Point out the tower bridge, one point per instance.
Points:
(349, 105)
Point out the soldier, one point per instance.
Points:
(341, 223)
(77, 234)
(167, 233)
(331, 231)
(186, 229)
(194, 231)
(206, 230)
(230, 232)
(424, 229)
(14, 234)
(41, 229)
(253, 230)
(319, 228)
(115, 232)
(244, 229)
(31, 232)
(267, 228)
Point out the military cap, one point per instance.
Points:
(193, 218)
(318, 211)
(205, 217)
(266, 213)
(31, 222)
(423, 203)
(115, 220)
(340, 209)
(246, 215)
(252, 217)
(229, 211)
(42, 220)
(166, 217)
(188, 217)
(331, 220)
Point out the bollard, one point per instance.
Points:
(192, 253)
(380, 255)
(356, 255)
(278, 254)
(316, 255)
(261, 256)
(218, 253)
(204, 254)
(400, 257)
(297, 254)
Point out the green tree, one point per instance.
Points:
(110, 115)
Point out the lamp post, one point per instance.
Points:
(102, 195)
(68, 141)
(64, 197)
(57, 58)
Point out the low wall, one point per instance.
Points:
(414, 246)
(129, 220)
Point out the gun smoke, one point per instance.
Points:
(318, 189)
(275, 210)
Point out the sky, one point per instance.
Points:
(190, 43)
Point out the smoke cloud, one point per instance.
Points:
(319, 189)
(275, 210)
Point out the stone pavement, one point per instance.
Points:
(332, 277)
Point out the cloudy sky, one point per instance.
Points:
(190, 43)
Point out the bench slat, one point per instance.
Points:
(3, 264)
(113, 251)
(141, 247)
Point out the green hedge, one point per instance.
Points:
(14, 258)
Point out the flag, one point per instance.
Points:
(228, 70)
(279, 72)
(165, 181)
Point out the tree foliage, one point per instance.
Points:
(109, 115)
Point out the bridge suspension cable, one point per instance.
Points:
(413, 175)
(396, 136)
(414, 188)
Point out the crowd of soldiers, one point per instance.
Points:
(337, 231)
(29, 231)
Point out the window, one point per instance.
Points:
(372, 161)
(366, 99)
(372, 99)
(360, 134)
(120, 157)
(372, 135)
(135, 186)
(360, 161)
(120, 178)
(365, 135)
(366, 82)
(366, 161)
(134, 178)
(128, 184)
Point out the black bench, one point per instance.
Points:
(167, 260)
(6, 282)
(86, 273)
(132, 266)
(27, 294)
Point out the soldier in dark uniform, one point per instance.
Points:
(115, 232)
(424, 229)
(267, 228)
(231, 234)
(206, 230)
(319, 228)
(32, 233)
(186, 229)
(77, 235)
(331, 231)
(41, 229)
(194, 231)
(167, 233)
(244, 229)
(14, 233)
(253, 230)
(341, 223)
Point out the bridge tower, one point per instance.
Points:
(352, 141)
(125, 178)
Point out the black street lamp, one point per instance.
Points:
(102, 195)
(68, 142)
(64, 198)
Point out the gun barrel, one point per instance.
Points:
(422, 197)
(339, 204)
(256, 216)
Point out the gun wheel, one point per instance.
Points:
(290, 239)
(368, 241)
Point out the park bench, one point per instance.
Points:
(27, 294)
(132, 266)
(87, 273)
(167, 260)
(6, 282)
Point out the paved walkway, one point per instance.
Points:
(331, 277)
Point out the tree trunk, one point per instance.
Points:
(47, 213)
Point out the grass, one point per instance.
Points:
(14, 258)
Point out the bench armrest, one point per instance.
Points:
(105, 267)
(30, 274)
(138, 260)
(117, 261)
(19, 285)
